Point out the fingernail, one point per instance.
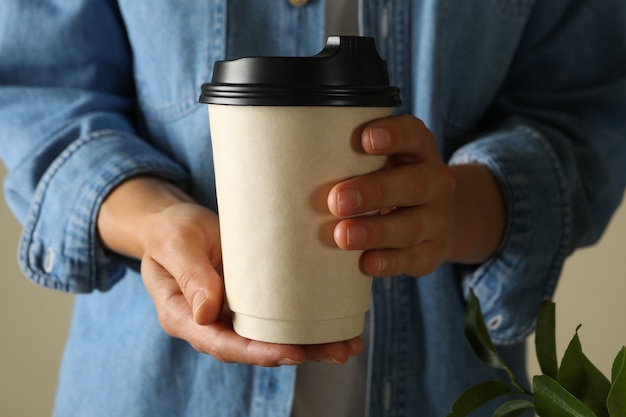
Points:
(383, 263)
(288, 362)
(331, 360)
(348, 200)
(198, 299)
(379, 138)
(356, 236)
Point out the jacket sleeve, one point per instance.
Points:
(68, 135)
(556, 143)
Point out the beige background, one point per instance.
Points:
(33, 327)
(34, 321)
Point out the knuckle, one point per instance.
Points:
(432, 259)
(407, 229)
(216, 354)
(168, 319)
(415, 226)
(381, 232)
(416, 121)
(418, 262)
(209, 347)
(414, 266)
(219, 350)
(189, 276)
(411, 123)
(264, 362)
(422, 135)
(185, 278)
(379, 191)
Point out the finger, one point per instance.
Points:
(170, 304)
(402, 186)
(403, 135)
(401, 228)
(217, 339)
(195, 275)
(415, 261)
(203, 290)
(334, 353)
(221, 342)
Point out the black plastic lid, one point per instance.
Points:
(347, 72)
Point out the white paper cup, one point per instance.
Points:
(278, 149)
(286, 280)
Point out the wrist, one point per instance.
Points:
(480, 215)
(129, 213)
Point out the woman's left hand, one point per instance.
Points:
(426, 207)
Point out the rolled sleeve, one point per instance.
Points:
(525, 269)
(60, 248)
(554, 141)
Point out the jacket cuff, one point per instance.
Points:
(60, 247)
(525, 269)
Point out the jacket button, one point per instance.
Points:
(298, 3)
(48, 264)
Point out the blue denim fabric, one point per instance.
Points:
(93, 92)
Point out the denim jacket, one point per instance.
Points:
(93, 92)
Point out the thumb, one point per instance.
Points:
(207, 300)
(186, 246)
(202, 287)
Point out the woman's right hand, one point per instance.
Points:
(178, 242)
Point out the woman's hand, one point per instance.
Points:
(178, 243)
(430, 212)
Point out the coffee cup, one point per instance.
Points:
(284, 131)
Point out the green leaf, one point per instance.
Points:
(513, 408)
(477, 395)
(545, 340)
(552, 400)
(616, 401)
(583, 380)
(618, 364)
(478, 337)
